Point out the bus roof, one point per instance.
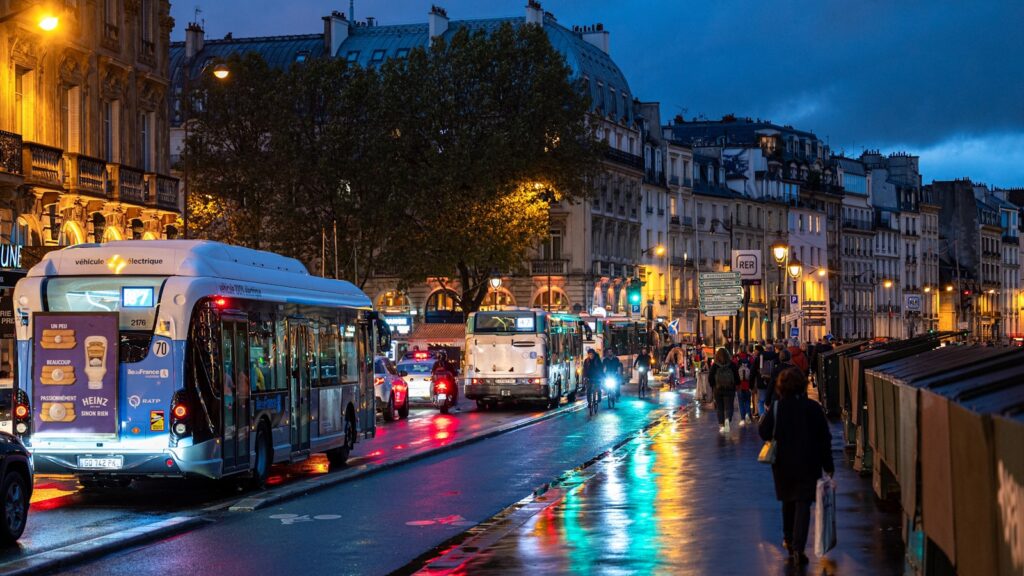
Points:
(191, 258)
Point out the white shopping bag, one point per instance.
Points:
(825, 516)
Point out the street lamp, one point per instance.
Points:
(780, 250)
(220, 72)
(795, 269)
(887, 284)
(47, 21)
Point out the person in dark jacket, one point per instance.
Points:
(803, 450)
(724, 378)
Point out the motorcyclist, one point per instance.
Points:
(442, 369)
(613, 369)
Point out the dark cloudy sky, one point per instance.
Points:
(942, 79)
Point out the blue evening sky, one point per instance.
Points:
(941, 79)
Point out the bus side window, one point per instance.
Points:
(261, 359)
(279, 355)
(349, 351)
(328, 354)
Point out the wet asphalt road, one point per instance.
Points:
(379, 524)
(62, 513)
(688, 500)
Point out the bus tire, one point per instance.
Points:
(264, 457)
(482, 405)
(338, 457)
(389, 409)
(557, 400)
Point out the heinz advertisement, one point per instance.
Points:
(74, 371)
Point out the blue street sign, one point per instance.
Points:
(794, 332)
(794, 299)
(636, 308)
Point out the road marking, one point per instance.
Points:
(289, 519)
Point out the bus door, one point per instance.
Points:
(235, 378)
(298, 386)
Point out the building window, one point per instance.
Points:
(71, 119)
(112, 131)
(402, 53)
(19, 100)
(352, 56)
(145, 141)
(110, 12)
(145, 22)
(378, 56)
(99, 225)
(443, 300)
(302, 55)
(551, 247)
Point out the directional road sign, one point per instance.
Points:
(794, 332)
(720, 312)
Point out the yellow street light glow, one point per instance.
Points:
(659, 250)
(220, 71)
(822, 272)
(927, 289)
(887, 283)
(49, 22)
(795, 269)
(779, 251)
(949, 288)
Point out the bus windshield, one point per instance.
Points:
(134, 297)
(498, 322)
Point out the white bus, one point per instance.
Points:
(190, 358)
(523, 355)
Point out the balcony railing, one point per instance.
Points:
(10, 153)
(688, 182)
(548, 267)
(688, 221)
(631, 160)
(163, 192)
(86, 176)
(674, 180)
(674, 219)
(43, 165)
(127, 184)
(857, 224)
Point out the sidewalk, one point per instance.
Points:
(686, 499)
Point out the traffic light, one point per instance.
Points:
(965, 299)
(633, 291)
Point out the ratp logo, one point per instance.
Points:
(134, 400)
(116, 263)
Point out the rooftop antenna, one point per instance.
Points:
(352, 10)
(195, 18)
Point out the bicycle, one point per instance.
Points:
(593, 398)
(611, 388)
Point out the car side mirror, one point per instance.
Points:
(403, 373)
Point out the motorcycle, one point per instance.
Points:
(444, 393)
(611, 388)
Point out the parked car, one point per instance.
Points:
(390, 389)
(15, 487)
(418, 369)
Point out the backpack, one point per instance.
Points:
(744, 371)
(724, 379)
(767, 373)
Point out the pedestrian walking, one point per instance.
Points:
(743, 362)
(724, 378)
(766, 369)
(803, 449)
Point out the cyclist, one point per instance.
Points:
(643, 364)
(613, 369)
(593, 372)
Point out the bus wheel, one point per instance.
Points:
(482, 405)
(572, 396)
(338, 457)
(389, 410)
(554, 402)
(264, 457)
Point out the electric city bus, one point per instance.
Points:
(190, 358)
(520, 354)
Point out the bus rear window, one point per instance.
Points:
(498, 322)
(133, 297)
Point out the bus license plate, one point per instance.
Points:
(505, 381)
(506, 392)
(108, 463)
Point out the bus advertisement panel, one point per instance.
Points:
(76, 368)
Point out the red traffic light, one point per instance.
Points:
(967, 292)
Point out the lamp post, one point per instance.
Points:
(46, 20)
(888, 285)
(796, 270)
(220, 72)
(495, 283)
(780, 250)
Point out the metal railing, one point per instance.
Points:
(548, 267)
(10, 153)
(631, 160)
(85, 175)
(163, 192)
(127, 184)
(44, 165)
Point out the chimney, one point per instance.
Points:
(597, 36)
(371, 21)
(193, 40)
(437, 22)
(534, 13)
(335, 32)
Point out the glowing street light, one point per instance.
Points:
(795, 269)
(49, 22)
(221, 71)
(780, 250)
(887, 284)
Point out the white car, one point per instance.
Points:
(417, 372)
(390, 389)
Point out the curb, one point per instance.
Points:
(254, 503)
(99, 546)
(453, 554)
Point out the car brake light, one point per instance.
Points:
(21, 411)
(420, 355)
(220, 302)
(477, 381)
(180, 411)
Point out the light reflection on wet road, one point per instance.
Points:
(688, 500)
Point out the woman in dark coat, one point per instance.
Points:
(803, 450)
(724, 378)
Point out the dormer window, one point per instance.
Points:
(378, 55)
(302, 56)
(353, 56)
(402, 53)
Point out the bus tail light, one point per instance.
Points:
(180, 425)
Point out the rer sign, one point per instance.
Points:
(747, 263)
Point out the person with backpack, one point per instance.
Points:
(724, 379)
(743, 369)
(766, 370)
